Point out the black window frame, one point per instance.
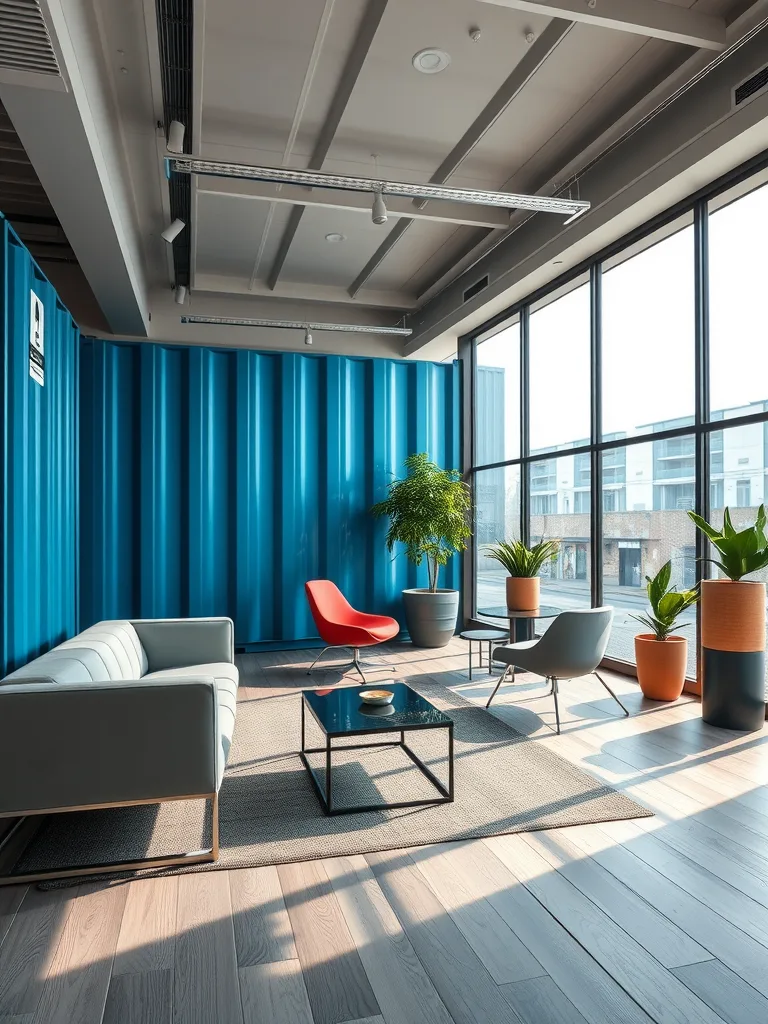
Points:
(705, 426)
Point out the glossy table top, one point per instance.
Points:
(500, 611)
(340, 711)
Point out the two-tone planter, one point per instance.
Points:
(430, 616)
(733, 654)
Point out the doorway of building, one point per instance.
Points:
(629, 567)
(581, 561)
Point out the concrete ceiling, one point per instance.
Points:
(326, 84)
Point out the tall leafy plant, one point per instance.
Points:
(429, 512)
(741, 551)
(667, 603)
(519, 560)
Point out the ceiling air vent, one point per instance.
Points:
(25, 45)
(473, 289)
(754, 86)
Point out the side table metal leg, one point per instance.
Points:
(490, 657)
(470, 659)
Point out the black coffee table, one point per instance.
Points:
(340, 713)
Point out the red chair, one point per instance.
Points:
(340, 625)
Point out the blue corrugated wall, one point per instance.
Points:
(38, 437)
(216, 482)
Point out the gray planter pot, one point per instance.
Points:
(431, 618)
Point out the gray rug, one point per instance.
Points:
(269, 813)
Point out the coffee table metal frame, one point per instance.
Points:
(325, 794)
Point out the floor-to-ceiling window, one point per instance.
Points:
(610, 405)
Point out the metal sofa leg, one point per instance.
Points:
(112, 867)
(626, 713)
(555, 691)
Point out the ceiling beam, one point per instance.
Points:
(334, 199)
(653, 18)
(512, 87)
(288, 291)
(354, 64)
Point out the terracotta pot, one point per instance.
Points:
(733, 654)
(661, 665)
(523, 592)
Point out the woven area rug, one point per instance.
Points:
(269, 813)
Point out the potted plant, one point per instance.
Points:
(429, 512)
(661, 657)
(733, 627)
(523, 565)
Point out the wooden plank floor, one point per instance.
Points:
(662, 919)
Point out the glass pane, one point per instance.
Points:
(559, 373)
(647, 525)
(738, 472)
(497, 511)
(648, 340)
(738, 302)
(497, 397)
(560, 510)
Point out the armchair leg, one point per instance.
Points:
(626, 713)
(555, 692)
(332, 647)
(500, 680)
(356, 663)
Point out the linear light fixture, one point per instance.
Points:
(570, 208)
(298, 325)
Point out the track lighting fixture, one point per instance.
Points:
(173, 230)
(570, 208)
(378, 209)
(181, 294)
(297, 325)
(175, 142)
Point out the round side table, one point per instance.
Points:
(483, 636)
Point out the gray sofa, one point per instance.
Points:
(128, 711)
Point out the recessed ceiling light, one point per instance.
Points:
(335, 236)
(431, 60)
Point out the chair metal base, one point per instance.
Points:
(553, 691)
(11, 850)
(354, 664)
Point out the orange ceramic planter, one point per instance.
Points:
(661, 665)
(523, 593)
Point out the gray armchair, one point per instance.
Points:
(574, 645)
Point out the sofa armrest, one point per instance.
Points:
(178, 643)
(101, 743)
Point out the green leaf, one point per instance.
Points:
(713, 534)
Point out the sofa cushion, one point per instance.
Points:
(226, 677)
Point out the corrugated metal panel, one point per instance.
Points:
(38, 436)
(217, 482)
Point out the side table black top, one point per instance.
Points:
(500, 611)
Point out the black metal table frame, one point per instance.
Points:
(325, 795)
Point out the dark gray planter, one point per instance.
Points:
(431, 618)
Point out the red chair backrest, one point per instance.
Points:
(328, 604)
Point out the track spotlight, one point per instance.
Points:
(174, 228)
(378, 210)
(307, 336)
(181, 294)
(175, 141)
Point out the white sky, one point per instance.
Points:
(648, 336)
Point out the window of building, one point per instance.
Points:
(497, 518)
(582, 501)
(743, 493)
(543, 504)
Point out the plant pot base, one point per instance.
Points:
(431, 617)
(523, 593)
(661, 666)
(733, 689)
